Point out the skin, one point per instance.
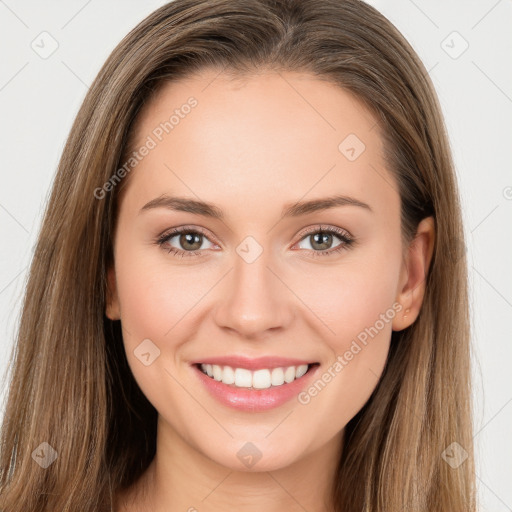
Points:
(252, 146)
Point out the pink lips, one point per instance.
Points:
(254, 400)
(257, 363)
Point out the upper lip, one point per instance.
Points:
(256, 363)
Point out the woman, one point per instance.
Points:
(248, 290)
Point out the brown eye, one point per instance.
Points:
(191, 241)
(322, 241)
(184, 242)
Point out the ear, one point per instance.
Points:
(112, 309)
(414, 274)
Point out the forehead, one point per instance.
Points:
(280, 136)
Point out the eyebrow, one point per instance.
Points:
(183, 204)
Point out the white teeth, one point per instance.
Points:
(289, 374)
(228, 375)
(259, 379)
(217, 372)
(277, 377)
(301, 370)
(243, 378)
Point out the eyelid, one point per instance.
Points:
(324, 228)
(169, 233)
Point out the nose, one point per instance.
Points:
(254, 300)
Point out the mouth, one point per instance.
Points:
(262, 378)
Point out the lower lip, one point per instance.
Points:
(255, 400)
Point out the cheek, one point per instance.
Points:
(350, 297)
(155, 296)
(354, 303)
(155, 303)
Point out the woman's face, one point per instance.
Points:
(253, 171)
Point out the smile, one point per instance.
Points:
(259, 379)
(268, 384)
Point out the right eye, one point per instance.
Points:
(190, 239)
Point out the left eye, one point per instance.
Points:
(321, 240)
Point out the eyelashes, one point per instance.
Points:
(165, 238)
(193, 235)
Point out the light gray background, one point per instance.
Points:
(39, 99)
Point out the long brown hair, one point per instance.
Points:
(71, 386)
